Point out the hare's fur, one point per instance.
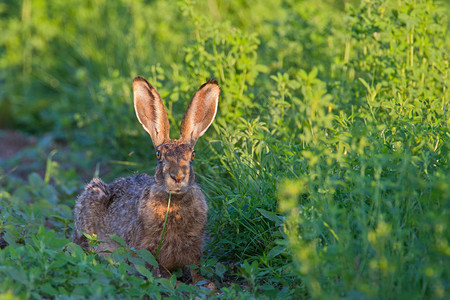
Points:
(134, 208)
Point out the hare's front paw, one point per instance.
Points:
(206, 283)
(211, 286)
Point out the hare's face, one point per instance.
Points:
(174, 171)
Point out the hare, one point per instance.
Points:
(134, 208)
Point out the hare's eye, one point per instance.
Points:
(158, 154)
(193, 155)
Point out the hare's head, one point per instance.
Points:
(174, 171)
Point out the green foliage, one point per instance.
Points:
(41, 262)
(327, 171)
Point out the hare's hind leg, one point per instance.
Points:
(89, 211)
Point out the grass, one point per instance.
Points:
(326, 169)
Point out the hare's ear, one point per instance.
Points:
(150, 110)
(200, 112)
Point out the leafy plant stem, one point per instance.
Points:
(49, 166)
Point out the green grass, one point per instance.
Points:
(326, 169)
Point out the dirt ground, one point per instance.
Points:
(22, 154)
(12, 142)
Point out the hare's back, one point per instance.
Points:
(124, 188)
(125, 197)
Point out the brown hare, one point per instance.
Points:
(134, 208)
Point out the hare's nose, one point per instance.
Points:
(178, 177)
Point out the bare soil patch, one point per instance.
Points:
(12, 142)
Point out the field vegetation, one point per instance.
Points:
(326, 169)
